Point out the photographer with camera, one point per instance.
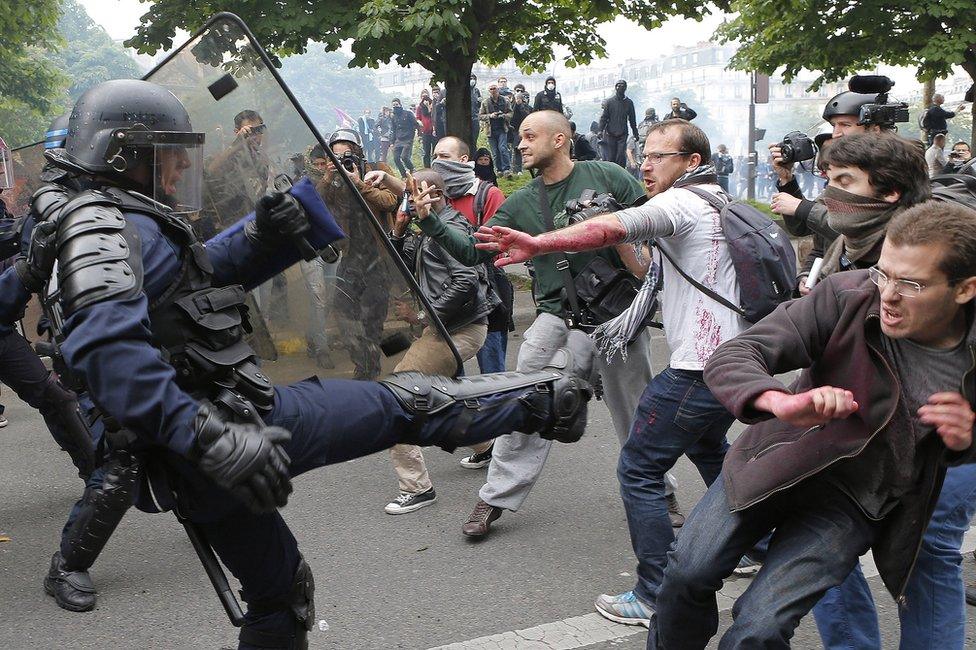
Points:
(848, 113)
(960, 155)
(517, 461)
(461, 298)
(362, 303)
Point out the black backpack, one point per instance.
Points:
(956, 188)
(500, 319)
(761, 252)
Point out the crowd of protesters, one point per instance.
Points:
(869, 449)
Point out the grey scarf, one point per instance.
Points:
(458, 176)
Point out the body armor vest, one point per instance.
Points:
(198, 328)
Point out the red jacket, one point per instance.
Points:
(834, 334)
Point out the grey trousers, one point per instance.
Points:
(517, 459)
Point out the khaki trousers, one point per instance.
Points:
(432, 356)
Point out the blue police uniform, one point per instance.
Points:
(109, 345)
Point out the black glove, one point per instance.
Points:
(245, 459)
(34, 269)
(278, 218)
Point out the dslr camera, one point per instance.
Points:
(881, 112)
(589, 205)
(796, 147)
(351, 162)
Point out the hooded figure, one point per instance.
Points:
(618, 112)
(548, 99)
(485, 171)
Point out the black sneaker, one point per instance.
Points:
(409, 502)
(478, 460)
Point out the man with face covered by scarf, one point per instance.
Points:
(618, 111)
(873, 177)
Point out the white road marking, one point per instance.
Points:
(589, 629)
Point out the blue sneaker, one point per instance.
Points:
(624, 608)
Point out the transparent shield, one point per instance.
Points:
(27, 163)
(336, 318)
(178, 177)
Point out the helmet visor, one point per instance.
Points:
(178, 176)
(6, 167)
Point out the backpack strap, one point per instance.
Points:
(480, 200)
(562, 262)
(717, 203)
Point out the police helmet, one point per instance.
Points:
(346, 135)
(57, 133)
(847, 103)
(139, 133)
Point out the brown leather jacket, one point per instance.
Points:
(834, 334)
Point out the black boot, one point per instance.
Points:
(554, 398)
(72, 590)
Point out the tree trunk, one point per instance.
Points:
(456, 81)
(928, 91)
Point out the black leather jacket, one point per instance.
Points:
(459, 294)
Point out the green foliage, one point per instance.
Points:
(25, 28)
(839, 37)
(84, 54)
(434, 33)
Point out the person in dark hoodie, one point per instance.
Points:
(548, 99)
(618, 111)
(484, 167)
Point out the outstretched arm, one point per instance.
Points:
(637, 224)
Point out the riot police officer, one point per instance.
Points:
(150, 321)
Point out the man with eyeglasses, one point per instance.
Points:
(851, 456)
(676, 415)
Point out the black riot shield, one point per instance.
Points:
(347, 312)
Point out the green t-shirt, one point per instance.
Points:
(520, 211)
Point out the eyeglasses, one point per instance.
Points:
(656, 157)
(906, 288)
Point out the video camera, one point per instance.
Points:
(589, 205)
(796, 147)
(881, 112)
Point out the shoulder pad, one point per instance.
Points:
(98, 254)
(47, 201)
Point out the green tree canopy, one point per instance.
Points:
(25, 28)
(838, 38)
(83, 53)
(444, 36)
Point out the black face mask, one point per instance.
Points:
(620, 90)
(397, 109)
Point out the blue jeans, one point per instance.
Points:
(676, 415)
(935, 612)
(491, 356)
(499, 151)
(819, 536)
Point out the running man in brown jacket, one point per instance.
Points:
(852, 456)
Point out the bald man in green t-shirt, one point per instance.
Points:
(517, 459)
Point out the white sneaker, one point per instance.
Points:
(409, 502)
(3, 422)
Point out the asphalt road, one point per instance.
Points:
(410, 581)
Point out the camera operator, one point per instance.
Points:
(802, 217)
(362, 296)
(461, 298)
(960, 155)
